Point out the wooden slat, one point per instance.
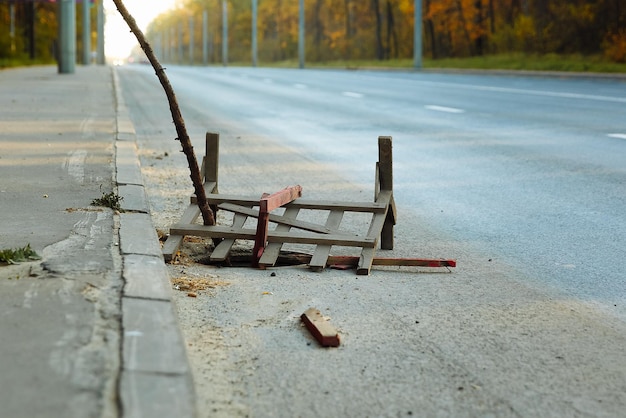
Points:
(211, 161)
(210, 188)
(275, 200)
(373, 207)
(173, 242)
(272, 250)
(378, 220)
(274, 236)
(318, 261)
(284, 220)
(221, 251)
(381, 261)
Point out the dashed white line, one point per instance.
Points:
(444, 109)
(618, 136)
(352, 94)
(300, 86)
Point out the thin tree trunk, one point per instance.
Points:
(207, 214)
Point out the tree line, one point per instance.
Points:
(355, 29)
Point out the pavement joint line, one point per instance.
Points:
(145, 300)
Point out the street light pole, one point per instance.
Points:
(224, 33)
(254, 32)
(86, 32)
(205, 37)
(100, 28)
(301, 46)
(67, 36)
(417, 36)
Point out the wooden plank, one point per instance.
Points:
(221, 251)
(385, 163)
(284, 220)
(374, 207)
(384, 170)
(318, 261)
(320, 328)
(273, 236)
(378, 220)
(209, 188)
(267, 204)
(275, 200)
(381, 261)
(173, 242)
(272, 250)
(211, 163)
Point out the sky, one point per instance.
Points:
(118, 41)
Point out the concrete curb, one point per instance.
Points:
(155, 378)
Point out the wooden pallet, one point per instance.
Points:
(289, 229)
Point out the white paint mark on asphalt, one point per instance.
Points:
(444, 109)
(133, 333)
(352, 94)
(75, 165)
(267, 81)
(510, 90)
(300, 86)
(618, 136)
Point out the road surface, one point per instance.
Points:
(523, 180)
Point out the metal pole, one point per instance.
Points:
(417, 36)
(181, 51)
(86, 32)
(191, 43)
(67, 36)
(205, 37)
(224, 33)
(172, 53)
(301, 47)
(12, 26)
(254, 33)
(100, 24)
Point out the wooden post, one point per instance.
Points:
(385, 182)
(211, 167)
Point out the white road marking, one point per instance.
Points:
(300, 86)
(75, 165)
(352, 94)
(444, 109)
(618, 136)
(528, 92)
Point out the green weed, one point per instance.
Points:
(109, 200)
(18, 255)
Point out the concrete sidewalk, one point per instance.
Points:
(90, 329)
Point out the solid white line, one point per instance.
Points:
(618, 136)
(352, 94)
(528, 92)
(444, 109)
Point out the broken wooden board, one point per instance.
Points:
(320, 328)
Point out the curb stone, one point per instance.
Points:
(155, 378)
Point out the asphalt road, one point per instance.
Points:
(519, 179)
(528, 171)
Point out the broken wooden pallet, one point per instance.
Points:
(289, 229)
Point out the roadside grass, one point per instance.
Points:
(18, 255)
(510, 61)
(22, 62)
